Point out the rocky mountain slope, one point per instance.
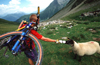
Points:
(53, 8)
(74, 6)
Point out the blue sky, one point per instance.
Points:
(27, 6)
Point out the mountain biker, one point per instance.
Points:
(33, 18)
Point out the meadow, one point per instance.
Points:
(61, 54)
(7, 26)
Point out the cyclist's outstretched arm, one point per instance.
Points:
(47, 39)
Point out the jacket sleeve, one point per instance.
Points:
(36, 34)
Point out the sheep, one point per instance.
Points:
(86, 48)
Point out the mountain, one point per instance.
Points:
(53, 8)
(25, 17)
(74, 6)
(13, 17)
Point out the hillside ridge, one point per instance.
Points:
(67, 10)
(63, 11)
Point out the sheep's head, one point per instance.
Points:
(70, 42)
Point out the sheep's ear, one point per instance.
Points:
(68, 38)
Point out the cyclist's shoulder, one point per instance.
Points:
(34, 31)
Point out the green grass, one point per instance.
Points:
(12, 60)
(59, 54)
(76, 16)
(7, 26)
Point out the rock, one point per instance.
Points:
(64, 38)
(96, 39)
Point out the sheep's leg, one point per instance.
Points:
(75, 56)
(98, 50)
(80, 58)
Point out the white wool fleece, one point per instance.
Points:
(86, 48)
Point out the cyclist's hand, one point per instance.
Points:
(60, 41)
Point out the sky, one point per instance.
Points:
(26, 6)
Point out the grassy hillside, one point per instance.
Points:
(74, 6)
(61, 54)
(94, 7)
(63, 11)
(7, 26)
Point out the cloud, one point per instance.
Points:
(15, 6)
(27, 10)
(14, 2)
(42, 3)
(12, 7)
(32, 7)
